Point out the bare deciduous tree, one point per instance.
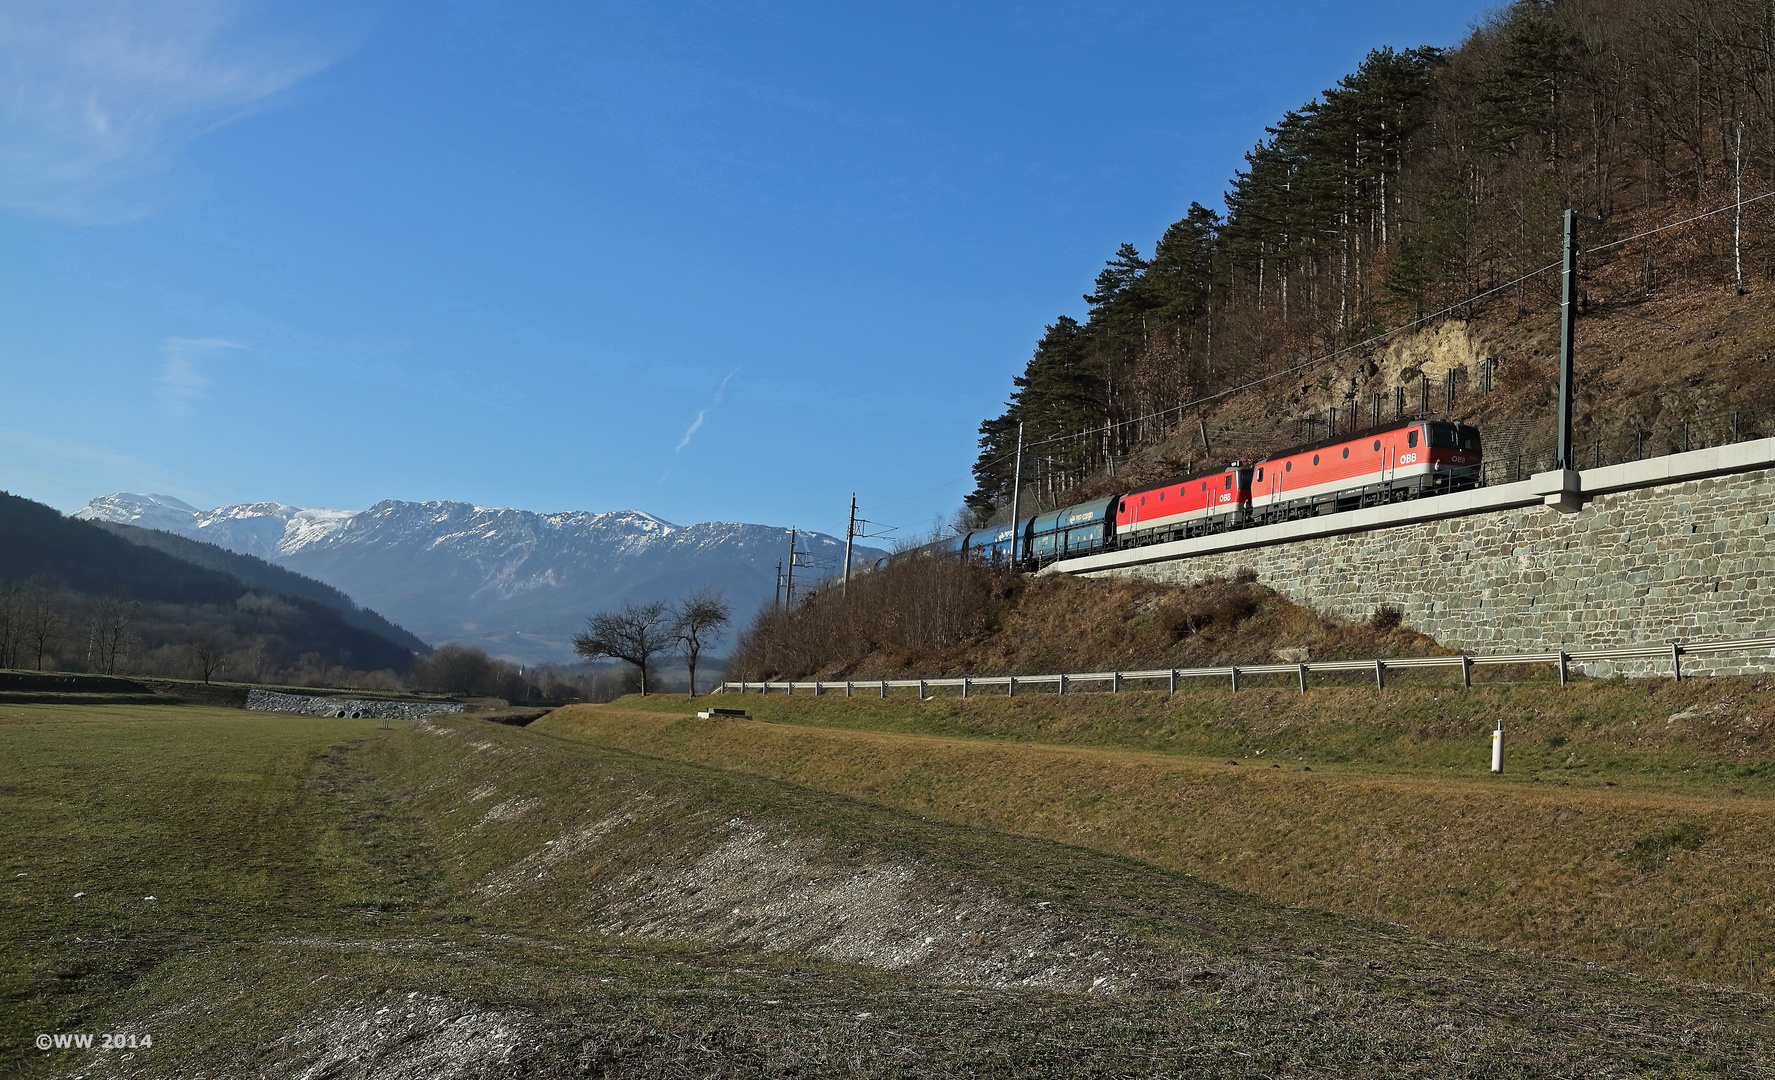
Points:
(12, 630)
(41, 621)
(698, 618)
(207, 655)
(463, 670)
(108, 636)
(634, 632)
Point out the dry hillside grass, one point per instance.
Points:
(935, 617)
(1621, 834)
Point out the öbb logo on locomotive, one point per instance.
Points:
(1408, 459)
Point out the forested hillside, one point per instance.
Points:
(74, 597)
(1388, 230)
(252, 570)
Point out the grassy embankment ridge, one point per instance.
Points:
(458, 897)
(1633, 825)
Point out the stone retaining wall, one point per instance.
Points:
(1683, 561)
(272, 701)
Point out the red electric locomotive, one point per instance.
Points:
(1401, 461)
(1187, 506)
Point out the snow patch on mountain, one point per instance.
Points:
(307, 527)
(148, 511)
(265, 529)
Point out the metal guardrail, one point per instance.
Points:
(1561, 660)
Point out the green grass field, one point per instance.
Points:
(461, 898)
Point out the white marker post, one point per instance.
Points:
(1497, 749)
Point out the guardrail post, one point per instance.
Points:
(1235, 674)
(1676, 660)
(1063, 684)
(818, 687)
(1301, 669)
(1562, 667)
(1466, 672)
(789, 688)
(964, 688)
(1115, 682)
(921, 689)
(1380, 678)
(847, 688)
(884, 688)
(1173, 689)
(1010, 686)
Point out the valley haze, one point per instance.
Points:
(519, 584)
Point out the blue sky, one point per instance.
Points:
(706, 260)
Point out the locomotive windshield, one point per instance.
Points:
(1454, 437)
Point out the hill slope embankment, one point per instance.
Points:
(1632, 827)
(935, 617)
(457, 898)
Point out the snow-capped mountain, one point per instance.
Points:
(517, 583)
(266, 529)
(148, 511)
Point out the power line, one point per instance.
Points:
(1705, 214)
(1384, 335)
(1300, 367)
(1314, 361)
(941, 486)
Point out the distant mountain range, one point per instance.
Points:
(265, 618)
(517, 583)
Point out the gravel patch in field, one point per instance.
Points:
(563, 849)
(396, 1036)
(509, 810)
(766, 890)
(410, 1037)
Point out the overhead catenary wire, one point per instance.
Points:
(1384, 335)
(1305, 365)
(1685, 221)
(1298, 368)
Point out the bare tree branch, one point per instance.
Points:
(634, 632)
(207, 656)
(698, 619)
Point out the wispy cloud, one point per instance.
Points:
(702, 413)
(183, 378)
(98, 95)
